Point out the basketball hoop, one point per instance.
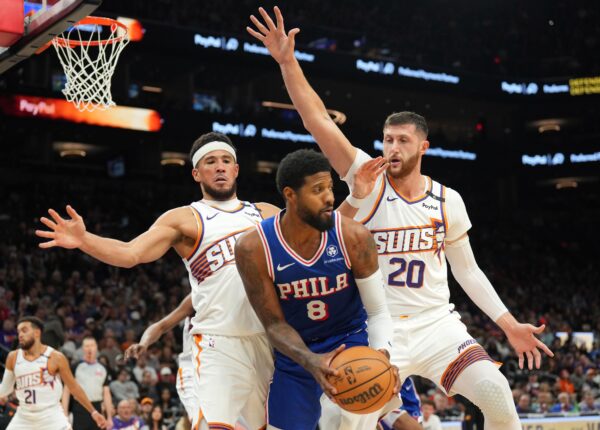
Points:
(89, 61)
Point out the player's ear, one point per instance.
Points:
(424, 147)
(289, 194)
(196, 175)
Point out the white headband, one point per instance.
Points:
(212, 146)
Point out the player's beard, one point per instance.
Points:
(407, 167)
(319, 221)
(220, 195)
(27, 344)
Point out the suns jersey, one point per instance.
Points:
(319, 296)
(218, 295)
(35, 387)
(410, 238)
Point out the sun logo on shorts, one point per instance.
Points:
(332, 251)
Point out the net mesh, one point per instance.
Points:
(89, 58)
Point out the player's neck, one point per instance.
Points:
(410, 186)
(303, 238)
(227, 205)
(35, 351)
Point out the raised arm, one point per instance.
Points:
(147, 247)
(251, 264)
(68, 379)
(317, 121)
(156, 330)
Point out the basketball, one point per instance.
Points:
(366, 380)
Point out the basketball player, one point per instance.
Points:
(185, 375)
(39, 372)
(312, 277)
(232, 357)
(417, 223)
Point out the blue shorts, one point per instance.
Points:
(293, 402)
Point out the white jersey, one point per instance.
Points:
(35, 387)
(218, 295)
(410, 237)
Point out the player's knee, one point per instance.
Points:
(495, 400)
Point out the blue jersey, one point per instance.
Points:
(319, 297)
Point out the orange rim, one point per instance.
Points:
(94, 20)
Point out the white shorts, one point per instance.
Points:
(434, 344)
(231, 379)
(185, 385)
(52, 418)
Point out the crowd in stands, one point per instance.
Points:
(538, 260)
(521, 39)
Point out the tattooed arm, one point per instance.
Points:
(252, 266)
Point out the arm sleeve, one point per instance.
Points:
(372, 294)
(8, 383)
(458, 219)
(473, 280)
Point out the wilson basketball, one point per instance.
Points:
(366, 380)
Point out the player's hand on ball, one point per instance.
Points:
(136, 351)
(273, 36)
(318, 366)
(366, 176)
(66, 233)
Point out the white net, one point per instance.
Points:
(89, 58)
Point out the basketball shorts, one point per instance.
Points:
(434, 344)
(185, 385)
(230, 379)
(294, 395)
(52, 418)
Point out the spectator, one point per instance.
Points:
(430, 420)
(125, 418)
(8, 334)
(141, 367)
(148, 386)
(111, 350)
(524, 404)
(146, 405)
(156, 419)
(589, 404)
(563, 404)
(123, 388)
(564, 382)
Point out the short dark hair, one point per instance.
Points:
(34, 321)
(298, 165)
(427, 402)
(90, 337)
(207, 138)
(406, 117)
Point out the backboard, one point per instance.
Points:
(44, 19)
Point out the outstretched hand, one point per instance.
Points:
(66, 233)
(273, 36)
(522, 338)
(135, 351)
(366, 176)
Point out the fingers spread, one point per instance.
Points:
(56, 216)
(48, 244)
(538, 358)
(256, 34)
(267, 19)
(279, 18)
(48, 223)
(72, 212)
(264, 30)
(529, 360)
(521, 361)
(46, 234)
